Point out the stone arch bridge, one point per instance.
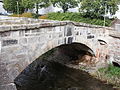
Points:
(23, 40)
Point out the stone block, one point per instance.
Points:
(60, 35)
(27, 31)
(33, 40)
(0, 47)
(4, 28)
(69, 31)
(62, 28)
(22, 33)
(10, 86)
(5, 34)
(16, 27)
(23, 41)
(70, 40)
(15, 34)
(10, 49)
(4, 77)
(18, 56)
(57, 29)
(4, 58)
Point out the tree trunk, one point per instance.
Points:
(37, 7)
(65, 8)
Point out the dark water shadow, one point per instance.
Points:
(51, 75)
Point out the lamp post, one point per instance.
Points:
(18, 8)
(105, 14)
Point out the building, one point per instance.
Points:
(116, 24)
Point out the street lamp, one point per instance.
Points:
(105, 14)
(18, 8)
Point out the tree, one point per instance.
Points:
(41, 4)
(27, 4)
(65, 4)
(24, 5)
(10, 5)
(96, 8)
(14, 5)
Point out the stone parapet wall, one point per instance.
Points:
(28, 23)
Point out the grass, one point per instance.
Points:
(110, 75)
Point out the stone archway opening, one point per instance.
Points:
(80, 54)
(45, 72)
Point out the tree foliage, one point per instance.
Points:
(65, 4)
(24, 5)
(10, 5)
(77, 17)
(96, 8)
(27, 4)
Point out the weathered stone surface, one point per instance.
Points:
(10, 86)
(27, 39)
(9, 42)
(5, 34)
(23, 41)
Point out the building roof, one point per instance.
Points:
(116, 21)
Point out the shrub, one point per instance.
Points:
(34, 15)
(43, 17)
(77, 17)
(15, 15)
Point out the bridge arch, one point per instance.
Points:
(65, 54)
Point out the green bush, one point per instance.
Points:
(77, 17)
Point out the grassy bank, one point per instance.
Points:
(110, 75)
